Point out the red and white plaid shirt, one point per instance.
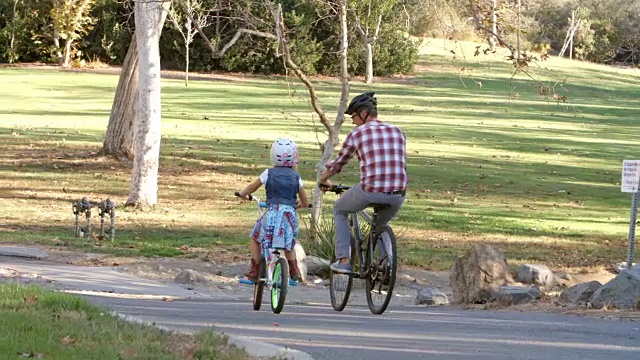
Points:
(381, 150)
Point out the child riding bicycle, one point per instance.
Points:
(278, 228)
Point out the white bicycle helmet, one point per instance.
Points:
(284, 152)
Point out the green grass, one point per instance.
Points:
(496, 163)
(38, 323)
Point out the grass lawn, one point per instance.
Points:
(490, 159)
(35, 323)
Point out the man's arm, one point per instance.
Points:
(324, 182)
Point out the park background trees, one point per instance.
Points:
(307, 39)
(605, 31)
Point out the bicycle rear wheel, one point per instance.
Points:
(382, 263)
(279, 286)
(340, 284)
(258, 287)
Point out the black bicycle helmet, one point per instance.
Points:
(367, 100)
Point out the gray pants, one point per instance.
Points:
(356, 199)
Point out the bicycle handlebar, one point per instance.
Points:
(262, 204)
(238, 195)
(338, 188)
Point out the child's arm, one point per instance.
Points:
(250, 189)
(304, 202)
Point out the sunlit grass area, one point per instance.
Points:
(491, 159)
(36, 323)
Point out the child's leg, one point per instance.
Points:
(294, 272)
(290, 254)
(255, 250)
(254, 266)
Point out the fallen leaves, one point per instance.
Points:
(31, 355)
(31, 299)
(68, 340)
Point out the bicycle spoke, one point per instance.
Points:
(340, 284)
(381, 277)
(280, 284)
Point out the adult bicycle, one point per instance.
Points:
(274, 271)
(373, 258)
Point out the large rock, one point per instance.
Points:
(431, 295)
(23, 251)
(301, 257)
(621, 292)
(478, 273)
(536, 274)
(190, 277)
(515, 295)
(580, 294)
(317, 266)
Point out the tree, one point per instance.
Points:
(12, 42)
(333, 130)
(279, 33)
(150, 16)
(187, 21)
(368, 20)
(119, 139)
(71, 20)
(493, 41)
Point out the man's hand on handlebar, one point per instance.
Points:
(326, 185)
(301, 206)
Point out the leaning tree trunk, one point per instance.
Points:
(150, 16)
(119, 140)
(334, 131)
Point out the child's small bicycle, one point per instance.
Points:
(274, 272)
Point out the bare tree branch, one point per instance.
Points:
(280, 29)
(479, 26)
(215, 53)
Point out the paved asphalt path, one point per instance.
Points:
(401, 332)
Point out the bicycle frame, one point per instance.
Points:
(272, 267)
(354, 224)
(270, 255)
(377, 258)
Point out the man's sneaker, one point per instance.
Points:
(343, 268)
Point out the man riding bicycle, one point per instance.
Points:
(381, 151)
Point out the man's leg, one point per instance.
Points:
(385, 215)
(394, 201)
(350, 202)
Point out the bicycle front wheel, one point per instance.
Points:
(279, 286)
(382, 264)
(340, 284)
(258, 287)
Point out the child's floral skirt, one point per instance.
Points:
(277, 228)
